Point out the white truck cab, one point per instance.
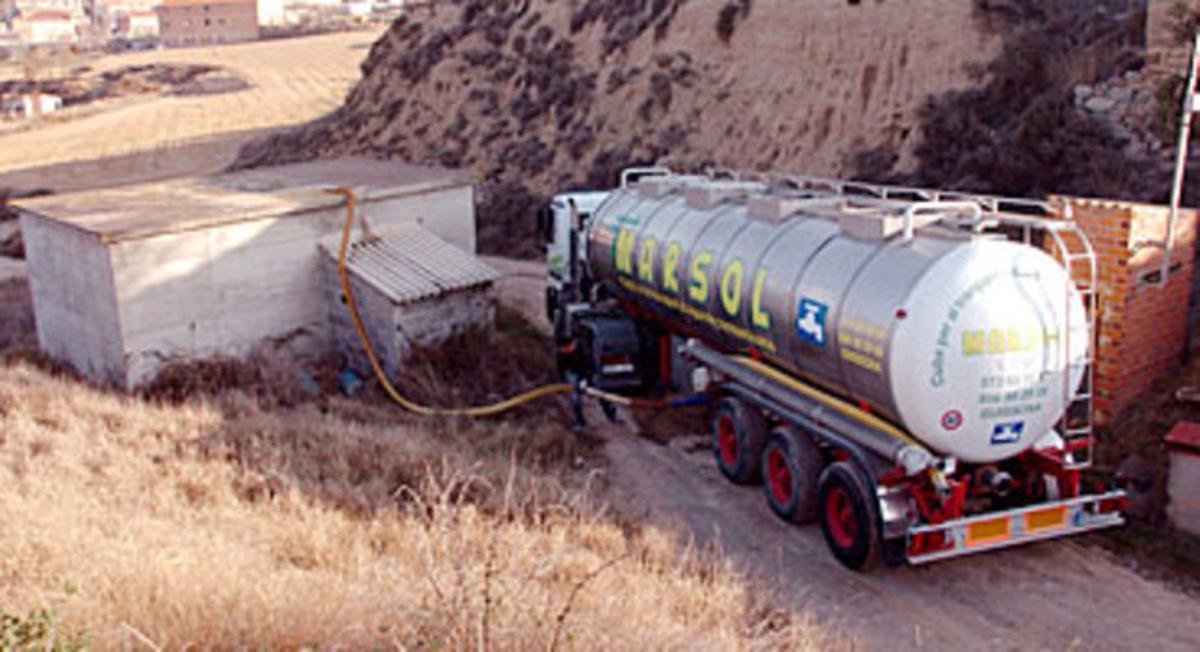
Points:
(559, 232)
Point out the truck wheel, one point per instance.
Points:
(849, 514)
(739, 434)
(791, 466)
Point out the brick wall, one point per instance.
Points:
(1142, 329)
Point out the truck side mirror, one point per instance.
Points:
(545, 224)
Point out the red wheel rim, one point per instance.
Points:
(839, 514)
(727, 440)
(779, 474)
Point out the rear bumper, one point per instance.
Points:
(1014, 527)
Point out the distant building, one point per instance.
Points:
(138, 23)
(29, 105)
(358, 8)
(271, 13)
(184, 23)
(47, 26)
(126, 6)
(26, 7)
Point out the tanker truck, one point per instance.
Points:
(911, 369)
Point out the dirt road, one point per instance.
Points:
(1061, 595)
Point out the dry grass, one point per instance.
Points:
(465, 369)
(227, 522)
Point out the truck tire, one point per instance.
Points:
(849, 514)
(791, 468)
(739, 433)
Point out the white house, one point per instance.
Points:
(29, 105)
(271, 13)
(47, 26)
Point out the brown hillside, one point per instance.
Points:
(541, 95)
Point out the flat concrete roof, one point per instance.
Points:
(193, 203)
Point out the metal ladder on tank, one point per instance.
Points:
(1077, 427)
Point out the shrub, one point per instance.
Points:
(1020, 132)
(39, 630)
(727, 21)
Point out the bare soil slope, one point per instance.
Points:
(538, 95)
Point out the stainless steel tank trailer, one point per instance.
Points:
(910, 368)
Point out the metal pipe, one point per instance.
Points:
(1185, 136)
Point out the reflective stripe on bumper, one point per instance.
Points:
(1014, 527)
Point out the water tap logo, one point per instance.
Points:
(1007, 433)
(810, 321)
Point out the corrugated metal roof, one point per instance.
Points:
(410, 263)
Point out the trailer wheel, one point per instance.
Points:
(791, 466)
(739, 434)
(849, 515)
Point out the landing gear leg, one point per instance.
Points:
(610, 412)
(578, 421)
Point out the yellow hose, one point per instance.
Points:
(483, 411)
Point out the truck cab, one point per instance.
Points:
(559, 231)
(558, 226)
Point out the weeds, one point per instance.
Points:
(728, 17)
(38, 630)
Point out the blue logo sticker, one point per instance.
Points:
(810, 321)
(1007, 433)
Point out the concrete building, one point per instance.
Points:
(412, 288)
(1183, 478)
(48, 26)
(207, 22)
(126, 279)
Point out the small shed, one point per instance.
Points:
(412, 289)
(126, 279)
(1183, 479)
